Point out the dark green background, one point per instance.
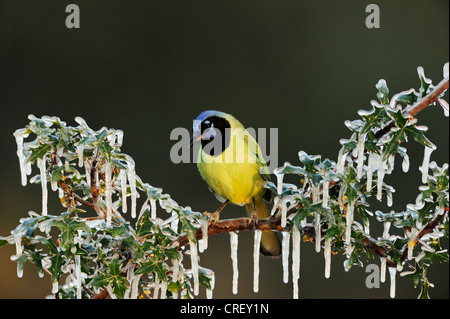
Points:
(147, 67)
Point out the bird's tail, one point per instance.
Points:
(270, 244)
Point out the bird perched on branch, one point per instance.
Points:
(231, 163)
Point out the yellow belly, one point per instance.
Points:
(237, 182)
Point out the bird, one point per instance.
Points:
(231, 163)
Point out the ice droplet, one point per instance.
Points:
(256, 248)
(234, 259)
(285, 255)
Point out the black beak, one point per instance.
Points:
(195, 140)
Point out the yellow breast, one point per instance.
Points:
(236, 178)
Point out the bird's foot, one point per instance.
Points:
(253, 218)
(213, 217)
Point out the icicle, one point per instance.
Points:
(174, 223)
(123, 187)
(380, 177)
(318, 231)
(348, 229)
(256, 247)
(370, 168)
(108, 193)
(78, 275)
(212, 283)
(426, 161)
(132, 179)
(390, 164)
(444, 105)
(383, 269)
(392, 273)
(405, 163)
(203, 243)
(386, 227)
(360, 159)
(153, 208)
(163, 287)
(283, 213)
(19, 135)
(119, 135)
(194, 265)
(19, 249)
(325, 192)
(295, 260)
(80, 151)
(327, 255)
(175, 272)
(55, 287)
(234, 259)
(412, 242)
(156, 290)
(41, 164)
(279, 183)
(340, 162)
(285, 255)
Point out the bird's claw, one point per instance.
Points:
(253, 217)
(213, 217)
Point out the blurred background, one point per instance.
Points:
(148, 67)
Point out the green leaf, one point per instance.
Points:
(3, 241)
(383, 92)
(39, 152)
(57, 174)
(419, 136)
(55, 269)
(144, 226)
(105, 149)
(174, 286)
(204, 279)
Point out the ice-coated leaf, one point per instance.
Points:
(39, 152)
(383, 91)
